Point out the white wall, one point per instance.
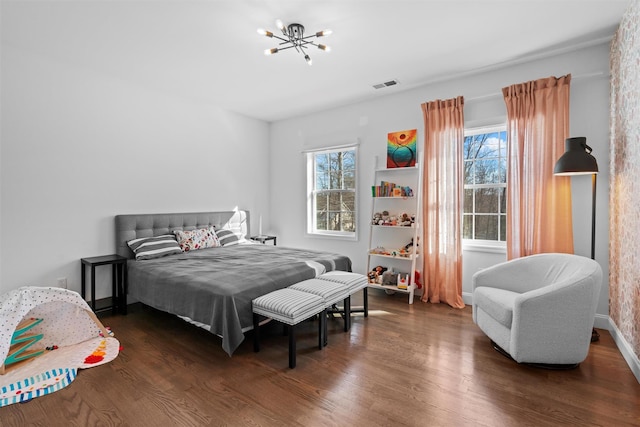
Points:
(79, 147)
(370, 121)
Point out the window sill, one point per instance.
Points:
(331, 236)
(489, 247)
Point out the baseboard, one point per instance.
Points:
(601, 321)
(467, 298)
(625, 349)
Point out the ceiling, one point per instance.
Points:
(209, 51)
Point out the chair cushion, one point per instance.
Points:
(497, 303)
(330, 292)
(288, 305)
(353, 281)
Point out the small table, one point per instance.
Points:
(118, 265)
(263, 238)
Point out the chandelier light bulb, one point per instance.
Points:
(324, 47)
(280, 25)
(271, 51)
(323, 33)
(308, 59)
(264, 32)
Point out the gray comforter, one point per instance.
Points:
(216, 286)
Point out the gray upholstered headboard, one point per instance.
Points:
(146, 225)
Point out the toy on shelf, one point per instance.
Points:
(400, 220)
(375, 275)
(403, 281)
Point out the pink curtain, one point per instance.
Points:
(538, 203)
(442, 194)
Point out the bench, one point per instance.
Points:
(306, 299)
(290, 307)
(353, 282)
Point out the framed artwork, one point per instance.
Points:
(402, 148)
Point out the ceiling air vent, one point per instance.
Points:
(386, 84)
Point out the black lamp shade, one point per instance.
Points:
(577, 159)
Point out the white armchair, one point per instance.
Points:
(539, 309)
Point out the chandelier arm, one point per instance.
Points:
(275, 36)
(283, 48)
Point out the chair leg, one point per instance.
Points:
(292, 346)
(347, 313)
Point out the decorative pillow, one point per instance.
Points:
(197, 239)
(154, 247)
(227, 237)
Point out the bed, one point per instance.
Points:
(213, 287)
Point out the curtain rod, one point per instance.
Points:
(577, 77)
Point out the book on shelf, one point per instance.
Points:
(390, 189)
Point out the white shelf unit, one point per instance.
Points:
(393, 238)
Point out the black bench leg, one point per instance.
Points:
(347, 313)
(323, 334)
(256, 333)
(292, 346)
(365, 299)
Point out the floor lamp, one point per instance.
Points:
(577, 160)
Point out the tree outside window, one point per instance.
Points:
(485, 184)
(332, 192)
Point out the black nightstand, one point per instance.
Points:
(263, 238)
(118, 265)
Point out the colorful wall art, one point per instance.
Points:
(402, 149)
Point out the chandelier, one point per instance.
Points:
(293, 37)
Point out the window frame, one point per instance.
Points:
(483, 244)
(311, 224)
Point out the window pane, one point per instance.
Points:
(503, 170)
(486, 227)
(467, 227)
(334, 221)
(349, 180)
(468, 200)
(503, 199)
(349, 160)
(488, 171)
(348, 222)
(349, 201)
(503, 228)
(486, 200)
(321, 220)
(468, 172)
(335, 201)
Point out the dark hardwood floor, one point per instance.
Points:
(404, 365)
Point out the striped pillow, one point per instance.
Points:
(227, 237)
(154, 247)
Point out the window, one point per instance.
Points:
(331, 184)
(485, 184)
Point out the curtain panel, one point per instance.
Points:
(538, 203)
(442, 198)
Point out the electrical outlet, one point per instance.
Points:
(62, 282)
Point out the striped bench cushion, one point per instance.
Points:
(288, 305)
(353, 281)
(330, 292)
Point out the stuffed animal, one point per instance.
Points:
(377, 219)
(375, 275)
(405, 220)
